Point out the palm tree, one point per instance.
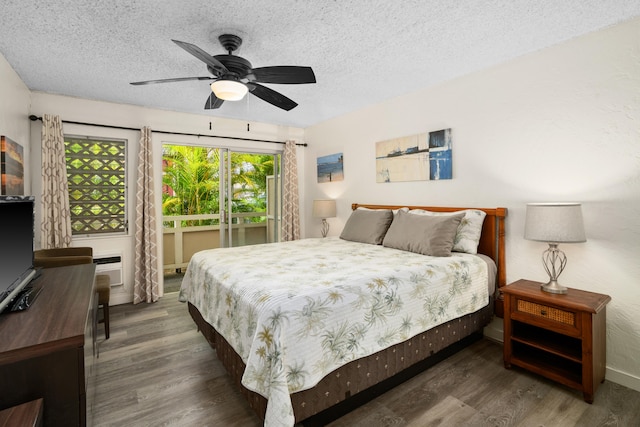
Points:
(190, 180)
(249, 181)
(192, 175)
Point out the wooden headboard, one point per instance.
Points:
(491, 241)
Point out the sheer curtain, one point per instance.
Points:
(56, 217)
(145, 287)
(290, 198)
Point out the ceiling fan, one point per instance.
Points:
(233, 76)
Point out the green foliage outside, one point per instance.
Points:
(193, 173)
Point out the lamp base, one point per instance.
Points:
(325, 227)
(553, 287)
(554, 261)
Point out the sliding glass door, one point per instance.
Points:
(215, 197)
(251, 188)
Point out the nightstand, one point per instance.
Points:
(559, 336)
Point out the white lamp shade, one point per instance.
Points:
(554, 223)
(229, 90)
(324, 208)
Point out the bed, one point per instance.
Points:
(312, 327)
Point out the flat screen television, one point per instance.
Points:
(16, 246)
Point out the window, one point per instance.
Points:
(97, 184)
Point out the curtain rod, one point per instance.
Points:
(33, 118)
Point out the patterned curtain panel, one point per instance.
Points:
(290, 198)
(56, 218)
(145, 287)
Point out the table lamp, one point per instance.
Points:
(324, 209)
(554, 223)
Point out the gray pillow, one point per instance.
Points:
(367, 226)
(468, 235)
(426, 235)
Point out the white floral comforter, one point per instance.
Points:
(295, 311)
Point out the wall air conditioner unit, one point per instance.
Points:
(110, 265)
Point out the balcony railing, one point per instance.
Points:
(182, 241)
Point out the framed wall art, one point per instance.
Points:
(421, 157)
(11, 167)
(330, 168)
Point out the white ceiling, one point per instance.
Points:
(362, 51)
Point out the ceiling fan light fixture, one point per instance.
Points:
(229, 90)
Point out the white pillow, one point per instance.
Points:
(468, 233)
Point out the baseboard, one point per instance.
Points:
(494, 331)
(122, 298)
(622, 378)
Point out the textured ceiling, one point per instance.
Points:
(362, 52)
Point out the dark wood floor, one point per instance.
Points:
(156, 370)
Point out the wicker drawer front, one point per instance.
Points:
(551, 313)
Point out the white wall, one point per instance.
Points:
(15, 100)
(82, 110)
(561, 124)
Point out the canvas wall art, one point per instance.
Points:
(11, 167)
(330, 168)
(421, 157)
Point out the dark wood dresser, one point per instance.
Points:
(47, 351)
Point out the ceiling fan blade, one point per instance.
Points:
(271, 96)
(213, 102)
(177, 79)
(203, 56)
(284, 74)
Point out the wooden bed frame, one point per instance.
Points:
(362, 379)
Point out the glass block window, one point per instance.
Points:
(97, 185)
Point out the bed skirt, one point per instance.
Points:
(354, 381)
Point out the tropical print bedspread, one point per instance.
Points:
(295, 311)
